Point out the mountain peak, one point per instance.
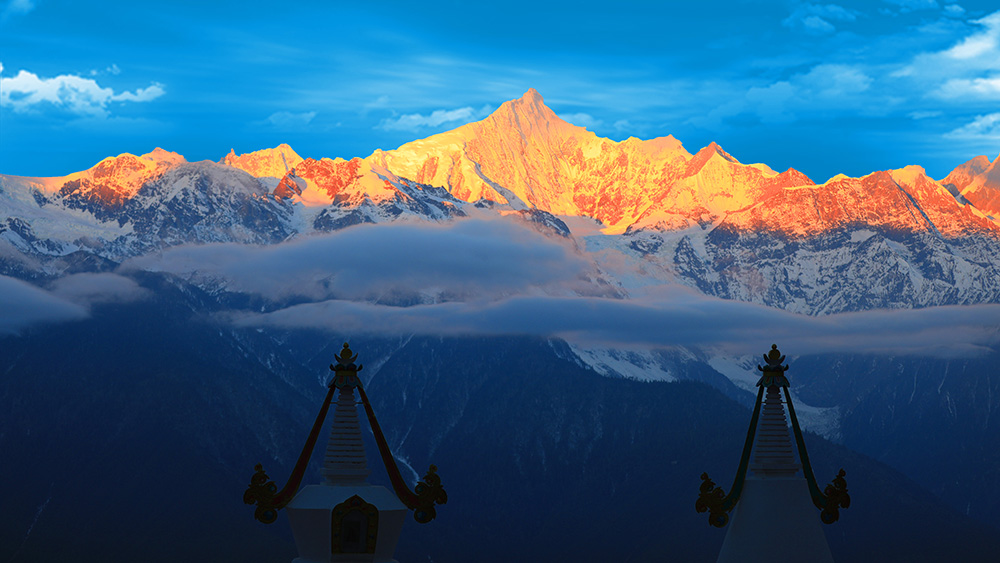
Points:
(983, 188)
(125, 164)
(528, 110)
(162, 156)
(265, 163)
(702, 157)
(964, 173)
(714, 147)
(910, 174)
(532, 96)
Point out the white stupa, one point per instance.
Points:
(344, 518)
(775, 516)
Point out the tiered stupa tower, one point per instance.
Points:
(781, 496)
(344, 518)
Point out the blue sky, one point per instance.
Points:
(827, 88)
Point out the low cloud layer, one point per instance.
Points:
(491, 278)
(687, 320)
(461, 260)
(90, 289)
(69, 298)
(501, 277)
(25, 305)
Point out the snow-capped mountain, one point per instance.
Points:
(978, 182)
(129, 205)
(265, 163)
(894, 238)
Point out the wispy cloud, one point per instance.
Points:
(982, 128)
(69, 298)
(286, 120)
(13, 8)
(817, 18)
(583, 120)
(83, 97)
(985, 88)
(113, 70)
(974, 56)
(913, 5)
(954, 10)
(981, 44)
(417, 121)
(381, 102)
(825, 89)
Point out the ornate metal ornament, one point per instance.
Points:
(836, 498)
(345, 372)
(261, 492)
(429, 492)
(710, 499)
(773, 372)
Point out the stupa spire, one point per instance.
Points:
(772, 452)
(345, 518)
(345, 460)
(780, 494)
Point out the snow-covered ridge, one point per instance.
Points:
(651, 212)
(266, 163)
(978, 183)
(524, 156)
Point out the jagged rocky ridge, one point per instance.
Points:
(886, 240)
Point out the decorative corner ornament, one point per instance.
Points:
(836, 498)
(710, 499)
(429, 492)
(261, 492)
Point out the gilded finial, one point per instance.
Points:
(773, 372)
(346, 356)
(774, 359)
(345, 371)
